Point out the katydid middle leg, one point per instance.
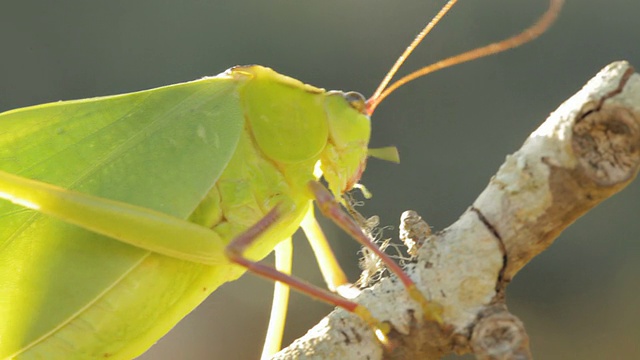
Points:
(278, 316)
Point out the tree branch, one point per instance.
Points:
(586, 151)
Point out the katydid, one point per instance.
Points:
(91, 225)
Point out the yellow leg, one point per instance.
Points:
(327, 262)
(273, 340)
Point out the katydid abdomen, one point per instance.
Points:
(66, 292)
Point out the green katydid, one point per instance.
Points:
(247, 149)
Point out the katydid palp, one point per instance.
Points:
(236, 157)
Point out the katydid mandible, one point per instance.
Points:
(90, 228)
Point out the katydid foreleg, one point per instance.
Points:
(332, 210)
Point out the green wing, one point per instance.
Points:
(161, 149)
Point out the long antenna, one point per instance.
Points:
(525, 36)
(414, 44)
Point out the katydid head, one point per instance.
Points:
(349, 131)
(344, 158)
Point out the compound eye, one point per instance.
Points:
(356, 100)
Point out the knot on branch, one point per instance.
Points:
(607, 144)
(498, 334)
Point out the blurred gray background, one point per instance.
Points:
(453, 129)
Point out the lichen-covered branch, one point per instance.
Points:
(586, 151)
